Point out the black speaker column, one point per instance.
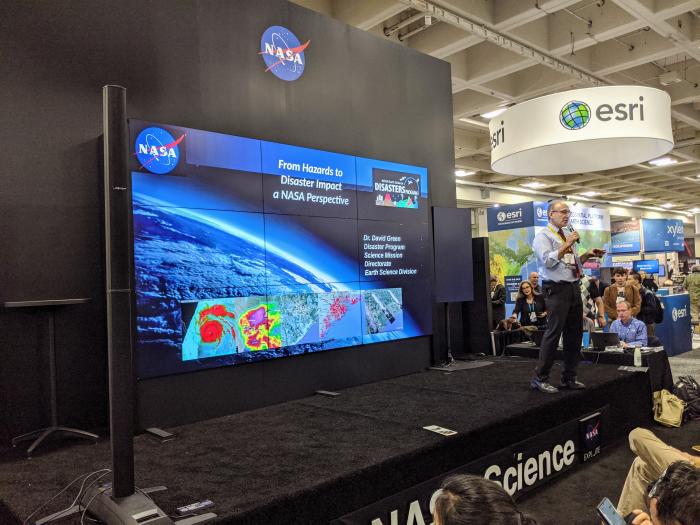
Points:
(119, 262)
(477, 316)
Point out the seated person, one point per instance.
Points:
(674, 498)
(464, 499)
(631, 332)
(621, 291)
(530, 305)
(653, 457)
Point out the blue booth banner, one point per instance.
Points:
(541, 214)
(512, 229)
(674, 332)
(662, 235)
(626, 236)
(509, 217)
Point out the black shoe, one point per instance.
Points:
(571, 384)
(543, 386)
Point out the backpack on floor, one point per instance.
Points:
(659, 310)
(688, 389)
(668, 409)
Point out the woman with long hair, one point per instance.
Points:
(530, 305)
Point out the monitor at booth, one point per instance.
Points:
(662, 271)
(649, 266)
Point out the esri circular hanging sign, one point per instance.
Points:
(582, 130)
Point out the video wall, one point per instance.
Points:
(247, 250)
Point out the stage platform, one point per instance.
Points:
(318, 458)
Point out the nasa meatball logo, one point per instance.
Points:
(282, 53)
(157, 150)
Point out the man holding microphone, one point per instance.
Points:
(560, 268)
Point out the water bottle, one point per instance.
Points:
(637, 356)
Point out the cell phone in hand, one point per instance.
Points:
(608, 512)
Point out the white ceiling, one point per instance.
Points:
(507, 51)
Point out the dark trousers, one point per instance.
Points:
(565, 316)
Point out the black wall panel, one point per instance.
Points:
(194, 64)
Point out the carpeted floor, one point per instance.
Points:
(336, 454)
(687, 363)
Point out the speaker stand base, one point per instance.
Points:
(44, 433)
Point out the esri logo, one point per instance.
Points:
(679, 313)
(541, 212)
(283, 53)
(157, 150)
(575, 115)
(501, 216)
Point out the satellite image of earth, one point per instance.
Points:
(185, 255)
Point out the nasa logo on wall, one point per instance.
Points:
(283, 53)
(157, 150)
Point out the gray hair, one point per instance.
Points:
(554, 203)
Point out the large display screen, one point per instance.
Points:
(247, 250)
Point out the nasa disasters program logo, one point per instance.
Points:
(157, 150)
(283, 53)
(575, 115)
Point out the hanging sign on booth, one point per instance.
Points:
(662, 235)
(582, 130)
(625, 236)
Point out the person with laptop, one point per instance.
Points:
(631, 332)
(560, 268)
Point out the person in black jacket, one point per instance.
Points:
(530, 305)
(648, 281)
(647, 312)
(498, 301)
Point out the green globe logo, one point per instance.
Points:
(575, 115)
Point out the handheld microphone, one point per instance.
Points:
(571, 230)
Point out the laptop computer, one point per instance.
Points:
(602, 339)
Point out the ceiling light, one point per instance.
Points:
(670, 77)
(667, 205)
(589, 193)
(663, 161)
(494, 113)
(695, 210)
(473, 122)
(533, 184)
(463, 173)
(633, 200)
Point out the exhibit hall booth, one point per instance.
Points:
(232, 253)
(631, 244)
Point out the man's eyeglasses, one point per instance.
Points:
(563, 212)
